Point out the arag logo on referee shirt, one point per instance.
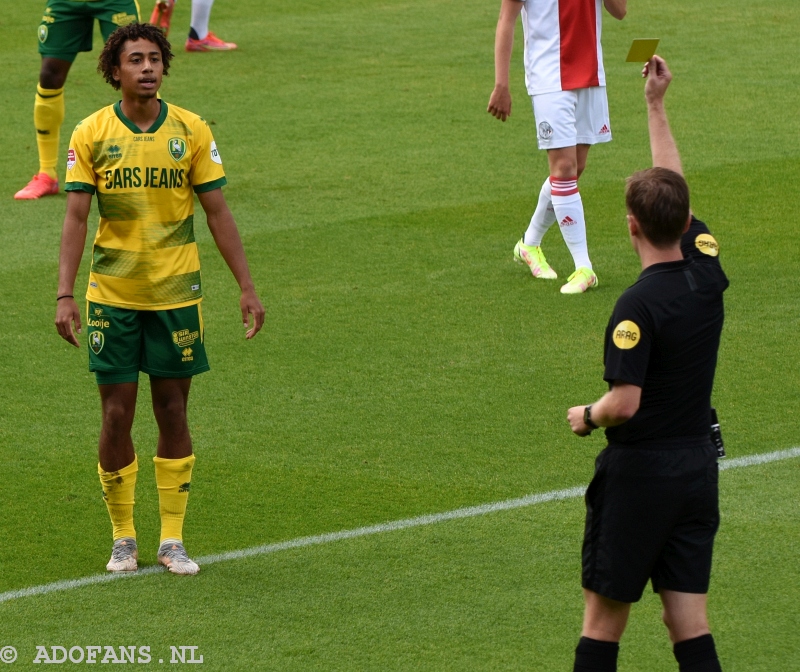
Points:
(627, 335)
(707, 244)
(177, 148)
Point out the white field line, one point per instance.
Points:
(302, 542)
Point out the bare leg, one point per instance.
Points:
(684, 614)
(53, 73)
(604, 619)
(119, 407)
(170, 399)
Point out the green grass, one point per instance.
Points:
(407, 366)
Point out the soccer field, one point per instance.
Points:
(407, 368)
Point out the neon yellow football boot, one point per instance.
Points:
(534, 257)
(580, 281)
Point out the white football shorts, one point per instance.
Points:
(569, 118)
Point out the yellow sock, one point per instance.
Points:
(48, 115)
(173, 479)
(118, 490)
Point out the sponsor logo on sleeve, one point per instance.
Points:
(706, 243)
(71, 160)
(627, 335)
(215, 157)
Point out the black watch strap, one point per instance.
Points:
(587, 417)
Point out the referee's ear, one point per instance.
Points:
(634, 228)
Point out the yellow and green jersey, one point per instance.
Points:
(144, 255)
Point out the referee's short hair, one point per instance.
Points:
(659, 199)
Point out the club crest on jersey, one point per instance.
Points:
(96, 341)
(177, 148)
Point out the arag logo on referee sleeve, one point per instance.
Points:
(627, 335)
(707, 244)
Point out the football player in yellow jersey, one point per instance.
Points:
(145, 160)
(65, 29)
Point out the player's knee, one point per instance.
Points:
(667, 622)
(563, 168)
(53, 73)
(170, 411)
(117, 418)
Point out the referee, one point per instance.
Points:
(652, 507)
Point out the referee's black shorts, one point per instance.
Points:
(651, 514)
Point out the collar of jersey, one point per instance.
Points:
(666, 266)
(133, 127)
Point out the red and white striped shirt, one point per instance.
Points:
(562, 45)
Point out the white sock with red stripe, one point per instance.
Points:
(543, 217)
(568, 207)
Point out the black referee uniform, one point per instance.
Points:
(652, 506)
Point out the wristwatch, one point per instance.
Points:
(587, 417)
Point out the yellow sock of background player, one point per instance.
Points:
(173, 479)
(48, 115)
(118, 492)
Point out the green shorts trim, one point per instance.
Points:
(162, 343)
(67, 26)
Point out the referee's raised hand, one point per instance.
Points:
(658, 78)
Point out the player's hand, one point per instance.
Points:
(67, 313)
(576, 423)
(500, 103)
(658, 78)
(250, 305)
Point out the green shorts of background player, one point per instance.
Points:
(66, 28)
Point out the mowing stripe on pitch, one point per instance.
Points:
(419, 521)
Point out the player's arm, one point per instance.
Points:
(226, 236)
(662, 144)
(73, 240)
(616, 406)
(617, 8)
(500, 100)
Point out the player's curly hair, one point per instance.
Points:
(109, 57)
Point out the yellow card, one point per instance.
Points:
(642, 50)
